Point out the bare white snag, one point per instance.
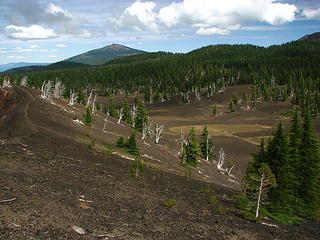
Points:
(46, 90)
(73, 98)
(221, 160)
(89, 99)
(133, 114)
(120, 115)
(6, 83)
(24, 81)
(198, 95)
(93, 109)
(58, 89)
(146, 130)
(157, 133)
(182, 142)
(209, 148)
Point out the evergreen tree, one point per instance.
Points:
(278, 156)
(309, 167)
(141, 116)
(87, 117)
(131, 144)
(232, 106)
(206, 145)
(214, 110)
(121, 142)
(126, 112)
(112, 109)
(192, 150)
(295, 149)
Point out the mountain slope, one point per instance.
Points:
(53, 66)
(5, 67)
(105, 54)
(313, 36)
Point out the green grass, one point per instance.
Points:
(170, 202)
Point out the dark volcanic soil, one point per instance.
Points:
(56, 183)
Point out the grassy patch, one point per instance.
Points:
(170, 202)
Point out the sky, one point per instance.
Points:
(45, 31)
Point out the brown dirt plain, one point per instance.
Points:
(56, 183)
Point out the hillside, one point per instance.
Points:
(103, 55)
(313, 36)
(53, 184)
(53, 66)
(5, 67)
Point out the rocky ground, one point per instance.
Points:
(53, 187)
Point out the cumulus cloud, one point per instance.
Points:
(209, 16)
(311, 13)
(206, 13)
(27, 13)
(29, 33)
(138, 16)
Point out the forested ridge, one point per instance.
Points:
(206, 69)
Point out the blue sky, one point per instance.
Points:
(50, 31)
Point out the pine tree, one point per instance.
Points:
(232, 106)
(295, 149)
(121, 142)
(278, 156)
(206, 145)
(309, 167)
(257, 186)
(131, 144)
(87, 118)
(126, 112)
(141, 116)
(257, 159)
(192, 150)
(214, 110)
(112, 109)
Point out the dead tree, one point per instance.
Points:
(46, 90)
(89, 100)
(209, 147)
(221, 160)
(133, 114)
(93, 108)
(120, 115)
(262, 181)
(182, 142)
(73, 98)
(158, 133)
(146, 129)
(24, 81)
(6, 83)
(58, 89)
(198, 95)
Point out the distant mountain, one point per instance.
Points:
(5, 67)
(103, 55)
(313, 36)
(54, 66)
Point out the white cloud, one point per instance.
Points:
(25, 13)
(52, 56)
(16, 57)
(139, 16)
(34, 46)
(205, 13)
(28, 33)
(212, 31)
(311, 13)
(61, 45)
(209, 16)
